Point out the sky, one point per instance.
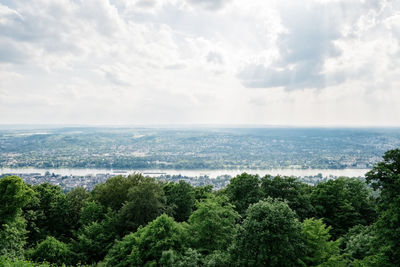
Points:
(258, 62)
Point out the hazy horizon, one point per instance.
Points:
(188, 126)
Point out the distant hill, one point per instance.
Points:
(195, 148)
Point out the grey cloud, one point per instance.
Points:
(11, 53)
(258, 76)
(303, 50)
(209, 4)
(26, 24)
(145, 3)
(214, 57)
(52, 28)
(26, 29)
(14, 28)
(177, 66)
(115, 79)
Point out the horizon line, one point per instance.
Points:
(186, 125)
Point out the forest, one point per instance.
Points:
(253, 221)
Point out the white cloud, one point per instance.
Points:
(209, 4)
(187, 61)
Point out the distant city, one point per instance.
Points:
(192, 152)
(68, 182)
(196, 148)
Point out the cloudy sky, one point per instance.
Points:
(308, 62)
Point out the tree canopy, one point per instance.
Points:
(343, 203)
(145, 247)
(268, 221)
(213, 225)
(244, 190)
(270, 235)
(385, 177)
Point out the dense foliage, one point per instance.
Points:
(269, 236)
(254, 221)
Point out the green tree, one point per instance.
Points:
(92, 211)
(180, 197)
(296, 193)
(385, 177)
(213, 225)
(270, 236)
(339, 261)
(13, 238)
(243, 190)
(190, 258)
(319, 248)
(343, 203)
(53, 251)
(14, 195)
(193, 258)
(94, 239)
(146, 246)
(145, 202)
(47, 214)
(376, 260)
(359, 242)
(217, 259)
(76, 199)
(114, 192)
(202, 192)
(7, 262)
